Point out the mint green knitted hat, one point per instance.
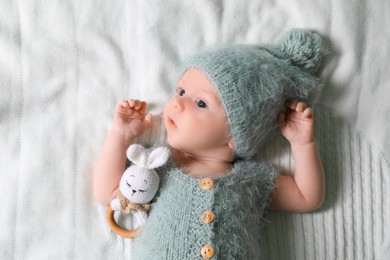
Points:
(254, 82)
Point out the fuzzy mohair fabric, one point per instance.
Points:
(254, 82)
(174, 229)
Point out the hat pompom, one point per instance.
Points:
(303, 48)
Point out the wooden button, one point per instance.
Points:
(207, 183)
(207, 251)
(207, 216)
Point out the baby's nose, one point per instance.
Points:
(178, 105)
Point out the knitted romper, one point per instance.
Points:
(190, 215)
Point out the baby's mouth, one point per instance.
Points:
(171, 123)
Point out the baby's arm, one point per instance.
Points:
(129, 122)
(305, 190)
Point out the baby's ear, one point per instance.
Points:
(158, 157)
(231, 144)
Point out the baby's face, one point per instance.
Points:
(194, 117)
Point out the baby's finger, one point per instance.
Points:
(300, 107)
(144, 105)
(131, 102)
(137, 105)
(148, 119)
(281, 117)
(124, 104)
(308, 113)
(292, 104)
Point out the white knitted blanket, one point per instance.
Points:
(355, 218)
(65, 64)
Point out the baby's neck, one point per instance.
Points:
(201, 167)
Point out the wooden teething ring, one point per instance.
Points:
(117, 229)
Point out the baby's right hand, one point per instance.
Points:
(130, 119)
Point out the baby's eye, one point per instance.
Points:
(181, 92)
(201, 104)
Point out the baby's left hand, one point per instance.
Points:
(297, 123)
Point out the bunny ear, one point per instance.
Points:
(158, 157)
(137, 154)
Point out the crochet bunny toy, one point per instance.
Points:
(138, 186)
